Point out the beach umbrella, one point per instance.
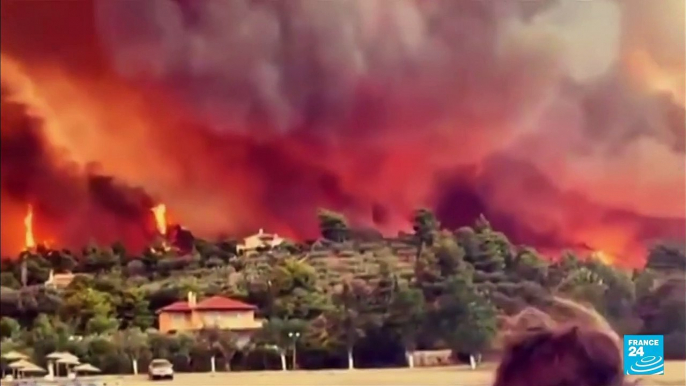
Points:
(32, 368)
(57, 355)
(14, 356)
(71, 360)
(61, 358)
(18, 365)
(86, 368)
(52, 357)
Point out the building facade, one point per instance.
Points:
(213, 312)
(259, 240)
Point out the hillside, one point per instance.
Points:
(372, 297)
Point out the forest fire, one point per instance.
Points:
(160, 213)
(29, 240)
(465, 109)
(605, 257)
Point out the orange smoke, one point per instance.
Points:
(160, 213)
(29, 240)
(94, 152)
(655, 78)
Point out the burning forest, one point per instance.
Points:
(561, 122)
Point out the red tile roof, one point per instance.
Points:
(214, 303)
(221, 303)
(176, 307)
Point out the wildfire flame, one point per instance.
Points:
(29, 240)
(604, 257)
(160, 213)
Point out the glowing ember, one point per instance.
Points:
(160, 213)
(29, 240)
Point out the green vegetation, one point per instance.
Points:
(352, 297)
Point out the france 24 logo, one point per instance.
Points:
(644, 355)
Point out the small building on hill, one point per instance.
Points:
(259, 240)
(59, 280)
(213, 312)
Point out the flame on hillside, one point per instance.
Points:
(604, 257)
(29, 239)
(160, 214)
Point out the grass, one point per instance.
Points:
(442, 376)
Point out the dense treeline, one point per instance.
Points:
(352, 296)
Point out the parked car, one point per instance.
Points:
(160, 369)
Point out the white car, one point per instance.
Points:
(160, 369)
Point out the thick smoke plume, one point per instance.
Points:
(71, 198)
(561, 121)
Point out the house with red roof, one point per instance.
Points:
(213, 312)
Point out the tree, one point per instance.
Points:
(9, 327)
(620, 291)
(99, 260)
(464, 318)
(83, 304)
(8, 280)
(290, 290)
(133, 309)
(425, 226)
(277, 334)
(449, 254)
(34, 269)
(101, 324)
(333, 226)
(383, 283)
(134, 343)
(407, 314)
(583, 284)
(220, 343)
(48, 334)
(347, 319)
(526, 264)
(486, 249)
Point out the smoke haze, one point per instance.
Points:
(561, 121)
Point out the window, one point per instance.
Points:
(211, 318)
(178, 320)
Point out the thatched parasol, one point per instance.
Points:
(86, 368)
(71, 360)
(54, 355)
(61, 358)
(18, 365)
(57, 355)
(32, 368)
(14, 356)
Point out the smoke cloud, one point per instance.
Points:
(71, 199)
(562, 121)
